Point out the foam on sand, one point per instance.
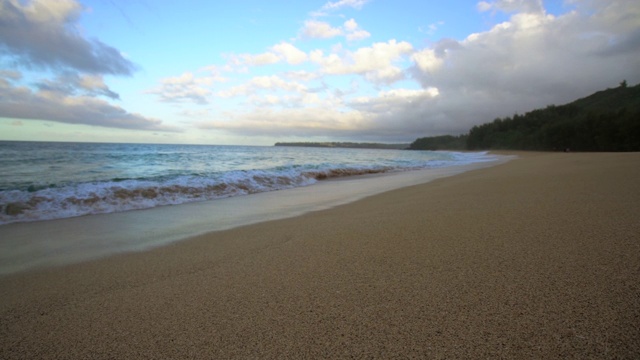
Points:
(70, 240)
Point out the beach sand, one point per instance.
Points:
(536, 258)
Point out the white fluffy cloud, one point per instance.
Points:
(530, 53)
(260, 83)
(376, 63)
(427, 60)
(186, 88)
(314, 29)
(324, 81)
(365, 117)
(332, 6)
(353, 31)
(531, 60)
(283, 51)
(291, 54)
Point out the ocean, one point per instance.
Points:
(54, 180)
(63, 203)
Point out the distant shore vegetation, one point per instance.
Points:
(352, 145)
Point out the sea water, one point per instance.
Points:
(46, 180)
(64, 203)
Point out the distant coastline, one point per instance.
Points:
(349, 145)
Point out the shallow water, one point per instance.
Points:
(25, 246)
(43, 181)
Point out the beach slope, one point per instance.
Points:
(535, 258)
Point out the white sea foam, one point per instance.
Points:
(106, 179)
(49, 243)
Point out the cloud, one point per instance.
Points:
(69, 84)
(266, 58)
(375, 63)
(55, 104)
(510, 6)
(427, 61)
(314, 29)
(373, 117)
(275, 82)
(186, 88)
(432, 28)
(388, 100)
(483, 6)
(290, 53)
(619, 18)
(283, 51)
(302, 75)
(529, 61)
(526, 53)
(354, 32)
(337, 5)
(10, 75)
(259, 83)
(334, 5)
(316, 121)
(394, 91)
(42, 34)
(532, 60)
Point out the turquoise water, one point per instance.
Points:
(43, 181)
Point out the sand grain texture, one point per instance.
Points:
(536, 258)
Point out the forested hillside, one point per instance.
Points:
(608, 120)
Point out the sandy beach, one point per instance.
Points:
(537, 258)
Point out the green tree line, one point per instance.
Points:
(444, 142)
(608, 120)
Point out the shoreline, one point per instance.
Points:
(210, 173)
(534, 258)
(53, 243)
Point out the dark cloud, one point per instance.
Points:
(69, 84)
(10, 75)
(54, 104)
(532, 61)
(621, 45)
(41, 34)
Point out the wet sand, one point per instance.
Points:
(535, 258)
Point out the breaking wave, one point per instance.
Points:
(33, 202)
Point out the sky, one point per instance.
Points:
(254, 72)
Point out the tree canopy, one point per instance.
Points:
(608, 120)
